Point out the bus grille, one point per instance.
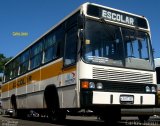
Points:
(122, 76)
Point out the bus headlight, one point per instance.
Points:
(92, 85)
(148, 89)
(99, 85)
(153, 89)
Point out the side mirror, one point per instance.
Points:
(81, 34)
(80, 21)
(81, 39)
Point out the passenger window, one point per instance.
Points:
(24, 62)
(50, 48)
(15, 66)
(53, 43)
(8, 72)
(36, 55)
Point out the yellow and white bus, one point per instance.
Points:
(97, 58)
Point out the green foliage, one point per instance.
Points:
(3, 60)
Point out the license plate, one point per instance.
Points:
(126, 98)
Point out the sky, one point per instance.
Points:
(23, 21)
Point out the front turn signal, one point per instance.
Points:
(85, 84)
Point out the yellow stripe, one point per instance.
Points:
(41, 74)
(12, 85)
(52, 70)
(5, 87)
(20, 82)
(34, 77)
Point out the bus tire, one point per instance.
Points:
(55, 114)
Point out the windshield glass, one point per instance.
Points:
(116, 46)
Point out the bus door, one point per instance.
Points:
(69, 68)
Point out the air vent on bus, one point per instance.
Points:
(122, 76)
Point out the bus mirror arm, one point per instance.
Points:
(81, 34)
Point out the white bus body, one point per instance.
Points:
(107, 66)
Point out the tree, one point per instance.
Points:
(3, 60)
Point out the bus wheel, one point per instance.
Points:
(143, 118)
(54, 112)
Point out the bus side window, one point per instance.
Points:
(50, 47)
(24, 62)
(53, 43)
(36, 55)
(70, 47)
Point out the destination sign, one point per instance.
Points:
(116, 16)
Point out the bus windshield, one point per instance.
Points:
(113, 45)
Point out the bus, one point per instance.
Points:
(97, 58)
